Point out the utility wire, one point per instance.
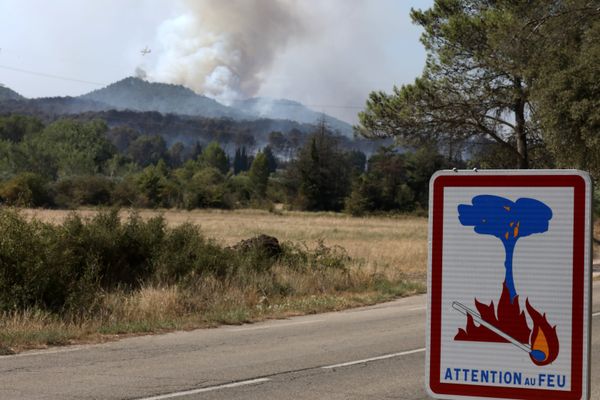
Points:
(64, 78)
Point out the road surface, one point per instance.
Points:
(368, 353)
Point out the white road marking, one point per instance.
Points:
(596, 314)
(254, 328)
(417, 308)
(366, 360)
(206, 389)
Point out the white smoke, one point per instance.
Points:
(224, 48)
(140, 73)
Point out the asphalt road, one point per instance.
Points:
(368, 353)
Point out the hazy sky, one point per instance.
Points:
(327, 54)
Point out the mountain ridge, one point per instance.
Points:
(139, 95)
(135, 94)
(290, 109)
(9, 94)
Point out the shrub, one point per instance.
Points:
(83, 190)
(126, 194)
(185, 251)
(25, 190)
(24, 274)
(69, 267)
(206, 188)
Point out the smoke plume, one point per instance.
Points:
(223, 49)
(141, 73)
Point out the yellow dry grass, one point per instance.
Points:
(387, 259)
(379, 244)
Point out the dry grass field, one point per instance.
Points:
(387, 259)
(377, 244)
(396, 243)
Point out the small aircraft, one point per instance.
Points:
(145, 51)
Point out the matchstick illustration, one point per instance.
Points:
(461, 308)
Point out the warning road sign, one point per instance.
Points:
(509, 285)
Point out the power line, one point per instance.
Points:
(64, 78)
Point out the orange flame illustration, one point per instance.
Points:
(544, 340)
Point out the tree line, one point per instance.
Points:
(70, 163)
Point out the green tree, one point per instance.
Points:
(384, 187)
(80, 190)
(122, 136)
(240, 161)
(566, 91)
(195, 152)
(271, 160)
(15, 127)
(278, 141)
(395, 181)
(476, 82)
(214, 156)
(175, 155)
(25, 190)
(321, 173)
(259, 173)
(358, 161)
(153, 183)
(147, 150)
(206, 188)
(74, 147)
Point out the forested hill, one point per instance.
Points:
(139, 95)
(175, 104)
(264, 107)
(9, 94)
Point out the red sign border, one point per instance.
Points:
(578, 183)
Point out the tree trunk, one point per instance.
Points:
(520, 133)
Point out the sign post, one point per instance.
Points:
(509, 285)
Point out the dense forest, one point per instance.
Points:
(70, 163)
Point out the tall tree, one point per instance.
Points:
(240, 161)
(15, 127)
(195, 152)
(567, 82)
(214, 156)
(74, 147)
(147, 150)
(322, 173)
(271, 160)
(259, 173)
(476, 82)
(175, 155)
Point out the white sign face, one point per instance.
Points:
(509, 285)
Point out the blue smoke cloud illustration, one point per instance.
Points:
(508, 221)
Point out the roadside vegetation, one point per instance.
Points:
(89, 279)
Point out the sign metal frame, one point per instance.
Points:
(581, 282)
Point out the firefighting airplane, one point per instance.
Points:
(145, 51)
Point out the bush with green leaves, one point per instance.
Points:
(66, 268)
(26, 189)
(83, 190)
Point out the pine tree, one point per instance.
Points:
(259, 174)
